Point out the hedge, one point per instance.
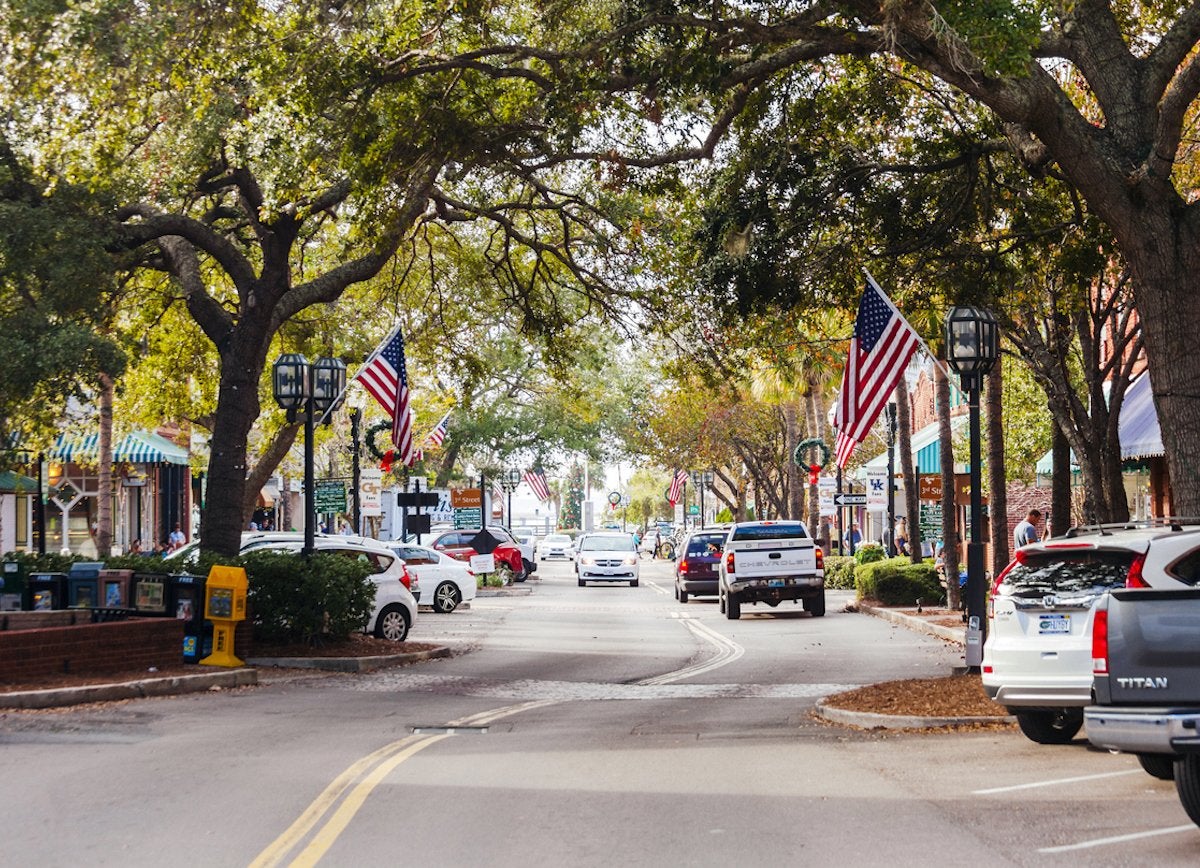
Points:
(898, 582)
(868, 553)
(839, 573)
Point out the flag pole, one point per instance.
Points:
(346, 388)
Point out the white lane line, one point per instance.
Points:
(654, 587)
(1118, 839)
(1055, 783)
(727, 652)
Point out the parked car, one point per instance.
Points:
(556, 545)
(510, 563)
(697, 569)
(445, 582)
(525, 543)
(607, 557)
(1037, 660)
(395, 608)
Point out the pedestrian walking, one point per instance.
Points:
(1026, 531)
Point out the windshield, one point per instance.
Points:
(597, 543)
(1084, 572)
(779, 530)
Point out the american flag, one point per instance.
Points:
(438, 435)
(882, 344)
(537, 481)
(677, 484)
(385, 376)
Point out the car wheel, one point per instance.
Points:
(815, 606)
(682, 595)
(446, 598)
(733, 607)
(505, 572)
(1052, 726)
(581, 583)
(1158, 765)
(1187, 785)
(634, 583)
(392, 624)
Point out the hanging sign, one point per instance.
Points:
(877, 481)
(370, 491)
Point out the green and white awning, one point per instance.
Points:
(138, 447)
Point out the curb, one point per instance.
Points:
(504, 592)
(139, 689)
(950, 634)
(871, 720)
(348, 664)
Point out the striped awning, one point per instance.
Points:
(137, 447)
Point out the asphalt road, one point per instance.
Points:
(578, 726)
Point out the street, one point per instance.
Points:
(576, 726)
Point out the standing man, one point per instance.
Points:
(1026, 531)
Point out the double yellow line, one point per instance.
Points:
(347, 793)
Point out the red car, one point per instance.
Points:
(457, 544)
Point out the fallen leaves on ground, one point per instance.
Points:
(955, 696)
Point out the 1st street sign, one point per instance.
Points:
(850, 499)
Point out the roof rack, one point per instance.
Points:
(1165, 522)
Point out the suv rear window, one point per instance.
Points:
(705, 545)
(789, 530)
(1066, 573)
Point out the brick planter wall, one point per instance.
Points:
(90, 648)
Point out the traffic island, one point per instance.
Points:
(918, 703)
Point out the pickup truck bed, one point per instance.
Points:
(1146, 687)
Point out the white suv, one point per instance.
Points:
(607, 557)
(1037, 661)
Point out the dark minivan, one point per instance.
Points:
(696, 564)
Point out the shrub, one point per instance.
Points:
(296, 600)
(51, 562)
(898, 582)
(868, 553)
(839, 573)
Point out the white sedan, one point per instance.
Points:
(444, 581)
(556, 545)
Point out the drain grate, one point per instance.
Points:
(449, 730)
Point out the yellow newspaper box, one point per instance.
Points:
(224, 605)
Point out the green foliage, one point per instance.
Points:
(724, 515)
(293, 599)
(51, 562)
(839, 573)
(572, 511)
(868, 553)
(897, 582)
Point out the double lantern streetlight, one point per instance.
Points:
(972, 347)
(312, 389)
(509, 480)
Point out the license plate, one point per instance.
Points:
(1054, 624)
(776, 583)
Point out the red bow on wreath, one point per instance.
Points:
(388, 459)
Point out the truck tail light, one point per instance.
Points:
(1134, 579)
(820, 552)
(1100, 642)
(729, 562)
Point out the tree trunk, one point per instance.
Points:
(950, 537)
(104, 518)
(908, 470)
(997, 472)
(814, 496)
(793, 485)
(1060, 484)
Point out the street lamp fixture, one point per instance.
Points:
(972, 347)
(700, 479)
(509, 480)
(299, 386)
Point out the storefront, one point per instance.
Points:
(151, 492)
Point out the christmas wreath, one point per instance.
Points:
(375, 451)
(801, 454)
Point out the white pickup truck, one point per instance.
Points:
(770, 561)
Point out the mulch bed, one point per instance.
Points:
(956, 696)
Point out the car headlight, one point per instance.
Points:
(632, 559)
(586, 561)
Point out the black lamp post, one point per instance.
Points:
(313, 389)
(890, 531)
(701, 479)
(509, 480)
(972, 346)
